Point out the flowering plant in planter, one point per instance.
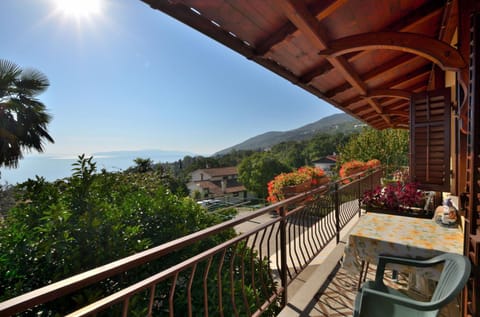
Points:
(394, 197)
(301, 180)
(351, 168)
(355, 167)
(373, 163)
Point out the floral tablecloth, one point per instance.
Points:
(377, 234)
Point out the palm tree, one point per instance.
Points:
(23, 118)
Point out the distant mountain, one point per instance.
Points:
(53, 167)
(154, 155)
(341, 122)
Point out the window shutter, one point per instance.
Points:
(430, 139)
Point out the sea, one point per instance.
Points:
(53, 167)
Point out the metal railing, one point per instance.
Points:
(247, 275)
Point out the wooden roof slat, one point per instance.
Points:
(278, 36)
(408, 23)
(321, 10)
(315, 72)
(391, 66)
(420, 15)
(299, 15)
(449, 22)
(407, 78)
(398, 93)
(442, 54)
(286, 39)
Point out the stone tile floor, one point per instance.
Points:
(337, 295)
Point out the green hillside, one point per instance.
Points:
(332, 124)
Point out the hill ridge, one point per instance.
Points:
(340, 122)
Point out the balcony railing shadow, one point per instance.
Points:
(337, 294)
(250, 274)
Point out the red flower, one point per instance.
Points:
(301, 175)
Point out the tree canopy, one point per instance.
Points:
(390, 146)
(89, 219)
(257, 170)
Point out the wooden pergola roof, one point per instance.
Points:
(365, 57)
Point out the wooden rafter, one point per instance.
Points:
(299, 15)
(321, 11)
(392, 66)
(288, 47)
(407, 79)
(397, 93)
(442, 54)
(398, 113)
(315, 72)
(420, 15)
(408, 23)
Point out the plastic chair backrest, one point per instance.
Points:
(453, 277)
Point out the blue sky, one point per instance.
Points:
(127, 77)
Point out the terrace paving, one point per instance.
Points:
(326, 289)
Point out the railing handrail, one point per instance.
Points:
(81, 280)
(89, 277)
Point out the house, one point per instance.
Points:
(216, 182)
(326, 163)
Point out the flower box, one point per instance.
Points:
(287, 185)
(293, 190)
(397, 199)
(406, 212)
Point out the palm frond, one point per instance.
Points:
(23, 119)
(9, 72)
(32, 82)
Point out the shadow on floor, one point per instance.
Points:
(337, 295)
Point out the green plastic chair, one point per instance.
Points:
(376, 299)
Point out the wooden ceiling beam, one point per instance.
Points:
(319, 9)
(408, 23)
(398, 105)
(378, 123)
(407, 78)
(449, 21)
(316, 72)
(388, 103)
(398, 113)
(299, 15)
(396, 93)
(184, 14)
(265, 45)
(365, 110)
(420, 15)
(441, 53)
(391, 66)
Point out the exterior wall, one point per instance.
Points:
(325, 166)
(199, 175)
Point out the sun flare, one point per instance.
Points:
(79, 8)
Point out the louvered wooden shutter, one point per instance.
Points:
(430, 140)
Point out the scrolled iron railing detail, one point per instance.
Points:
(246, 275)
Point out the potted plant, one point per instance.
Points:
(303, 179)
(356, 167)
(396, 198)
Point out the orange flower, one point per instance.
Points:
(301, 175)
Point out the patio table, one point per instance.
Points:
(401, 236)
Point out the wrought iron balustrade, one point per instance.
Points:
(246, 275)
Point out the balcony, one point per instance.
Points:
(285, 261)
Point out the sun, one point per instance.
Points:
(79, 8)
